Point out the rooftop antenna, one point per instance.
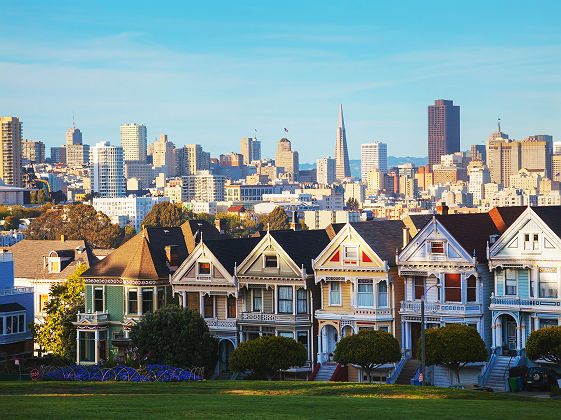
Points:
(255, 135)
(499, 124)
(73, 125)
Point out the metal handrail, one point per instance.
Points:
(484, 377)
(393, 377)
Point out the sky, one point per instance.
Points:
(213, 72)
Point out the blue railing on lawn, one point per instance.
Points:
(98, 373)
(391, 379)
(415, 378)
(482, 379)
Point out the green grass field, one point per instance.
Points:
(261, 400)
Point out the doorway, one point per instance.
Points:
(225, 349)
(415, 336)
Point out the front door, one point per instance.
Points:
(415, 335)
(511, 334)
(225, 349)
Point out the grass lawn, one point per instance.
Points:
(261, 400)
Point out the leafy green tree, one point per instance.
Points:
(47, 226)
(545, 344)
(368, 349)
(165, 214)
(453, 346)
(57, 334)
(41, 196)
(11, 222)
(275, 220)
(352, 204)
(82, 221)
(130, 230)
(177, 337)
(267, 355)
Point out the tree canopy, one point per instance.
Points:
(11, 222)
(166, 214)
(76, 222)
(368, 349)
(453, 346)
(545, 344)
(57, 334)
(177, 337)
(352, 204)
(267, 355)
(275, 220)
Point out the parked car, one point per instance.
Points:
(540, 378)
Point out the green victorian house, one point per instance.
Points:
(131, 281)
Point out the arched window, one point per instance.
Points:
(383, 293)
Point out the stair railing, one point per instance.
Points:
(314, 372)
(396, 372)
(484, 376)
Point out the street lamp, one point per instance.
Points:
(423, 368)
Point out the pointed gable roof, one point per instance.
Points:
(231, 252)
(141, 265)
(551, 215)
(302, 245)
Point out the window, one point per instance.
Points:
(271, 261)
(382, 293)
(161, 297)
(474, 326)
(87, 346)
(43, 300)
(471, 289)
(302, 338)
(285, 299)
(301, 301)
(133, 301)
(365, 293)
(286, 334)
(548, 285)
(204, 269)
(257, 299)
(384, 328)
(334, 293)
(209, 306)
(55, 267)
(437, 247)
(231, 302)
(147, 300)
(546, 323)
(350, 254)
(14, 324)
(419, 285)
(453, 287)
(531, 242)
(98, 299)
(510, 280)
(194, 301)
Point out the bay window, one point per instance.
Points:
(365, 293)
(510, 282)
(419, 286)
(285, 299)
(257, 299)
(453, 287)
(382, 293)
(334, 293)
(471, 284)
(133, 301)
(301, 301)
(231, 303)
(147, 300)
(548, 285)
(208, 303)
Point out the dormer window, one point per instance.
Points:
(437, 247)
(54, 267)
(531, 242)
(204, 269)
(271, 261)
(350, 254)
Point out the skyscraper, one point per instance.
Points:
(10, 150)
(325, 171)
(343, 168)
(133, 141)
(34, 151)
(163, 156)
(250, 148)
(73, 136)
(443, 130)
(287, 158)
(189, 159)
(107, 172)
(373, 156)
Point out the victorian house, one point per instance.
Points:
(206, 283)
(360, 288)
(526, 264)
(445, 263)
(131, 281)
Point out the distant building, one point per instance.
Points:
(10, 150)
(140, 170)
(73, 136)
(443, 129)
(287, 159)
(58, 155)
(326, 171)
(320, 219)
(77, 154)
(478, 177)
(33, 151)
(163, 156)
(478, 152)
(373, 156)
(343, 168)
(191, 158)
(133, 142)
(134, 209)
(232, 159)
(250, 148)
(107, 172)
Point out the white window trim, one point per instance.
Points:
(204, 277)
(270, 254)
(347, 260)
(374, 297)
(515, 279)
(387, 305)
(340, 293)
(12, 314)
(444, 253)
(102, 298)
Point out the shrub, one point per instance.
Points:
(545, 344)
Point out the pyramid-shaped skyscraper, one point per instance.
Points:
(342, 166)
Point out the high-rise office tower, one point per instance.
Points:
(73, 136)
(107, 173)
(33, 151)
(287, 158)
(250, 148)
(343, 168)
(76, 153)
(133, 141)
(443, 130)
(162, 156)
(10, 150)
(325, 171)
(557, 147)
(189, 159)
(58, 154)
(373, 156)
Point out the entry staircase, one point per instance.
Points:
(407, 372)
(326, 371)
(499, 373)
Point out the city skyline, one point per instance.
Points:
(248, 69)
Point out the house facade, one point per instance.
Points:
(526, 265)
(359, 286)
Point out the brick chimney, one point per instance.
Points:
(172, 256)
(442, 208)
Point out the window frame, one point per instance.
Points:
(469, 288)
(515, 280)
(204, 274)
(416, 287)
(554, 282)
(208, 302)
(386, 305)
(370, 294)
(299, 299)
(432, 247)
(270, 256)
(452, 289)
(229, 305)
(339, 293)
(96, 299)
(129, 291)
(161, 300)
(147, 290)
(259, 298)
(349, 259)
(288, 301)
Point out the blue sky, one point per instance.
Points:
(212, 72)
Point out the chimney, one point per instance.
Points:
(406, 236)
(172, 256)
(442, 208)
(62, 238)
(295, 224)
(220, 225)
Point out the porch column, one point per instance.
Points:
(96, 346)
(498, 330)
(77, 346)
(493, 337)
(518, 337)
(403, 336)
(523, 334)
(184, 299)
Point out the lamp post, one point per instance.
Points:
(423, 367)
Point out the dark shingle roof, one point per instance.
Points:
(231, 252)
(11, 307)
(302, 245)
(551, 215)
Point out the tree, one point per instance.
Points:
(267, 355)
(11, 222)
(176, 336)
(352, 204)
(47, 226)
(369, 349)
(57, 334)
(41, 196)
(275, 220)
(165, 214)
(453, 346)
(545, 344)
(130, 231)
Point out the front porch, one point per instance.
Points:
(91, 337)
